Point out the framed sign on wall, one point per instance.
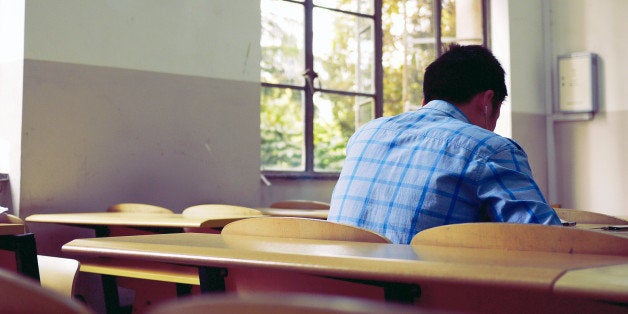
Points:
(577, 83)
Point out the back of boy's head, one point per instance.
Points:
(462, 72)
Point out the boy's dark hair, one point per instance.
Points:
(462, 72)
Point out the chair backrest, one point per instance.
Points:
(300, 204)
(19, 294)
(11, 219)
(213, 210)
(204, 210)
(268, 303)
(58, 274)
(244, 280)
(303, 228)
(138, 208)
(523, 237)
(587, 217)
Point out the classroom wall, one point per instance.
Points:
(517, 42)
(137, 101)
(11, 74)
(577, 164)
(590, 170)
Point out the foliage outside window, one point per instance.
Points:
(329, 66)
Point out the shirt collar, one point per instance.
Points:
(446, 108)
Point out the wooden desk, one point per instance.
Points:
(156, 223)
(403, 266)
(303, 213)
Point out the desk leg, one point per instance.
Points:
(25, 249)
(183, 289)
(101, 231)
(401, 293)
(212, 279)
(26, 255)
(405, 293)
(110, 289)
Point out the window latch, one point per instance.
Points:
(310, 75)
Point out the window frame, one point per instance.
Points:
(309, 90)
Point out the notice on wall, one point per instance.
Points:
(577, 83)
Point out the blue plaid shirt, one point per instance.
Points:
(431, 167)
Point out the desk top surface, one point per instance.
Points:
(136, 219)
(370, 261)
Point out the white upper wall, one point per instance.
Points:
(600, 27)
(11, 30)
(526, 67)
(591, 173)
(125, 34)
(500, 38)
(137, 101)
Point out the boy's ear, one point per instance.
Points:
(488, 97)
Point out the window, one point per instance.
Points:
(329, 66)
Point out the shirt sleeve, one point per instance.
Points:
(508, 192)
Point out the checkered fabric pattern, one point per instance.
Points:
(431, 167)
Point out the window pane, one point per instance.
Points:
(462, 22)
(408, 47)
(343, 51)
(282, 42)
(281, 129)
(360, 6)
(334, 122)
(364, 110)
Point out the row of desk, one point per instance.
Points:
(160, 223)
(396, 268)
(403, 271)
(106, 224)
